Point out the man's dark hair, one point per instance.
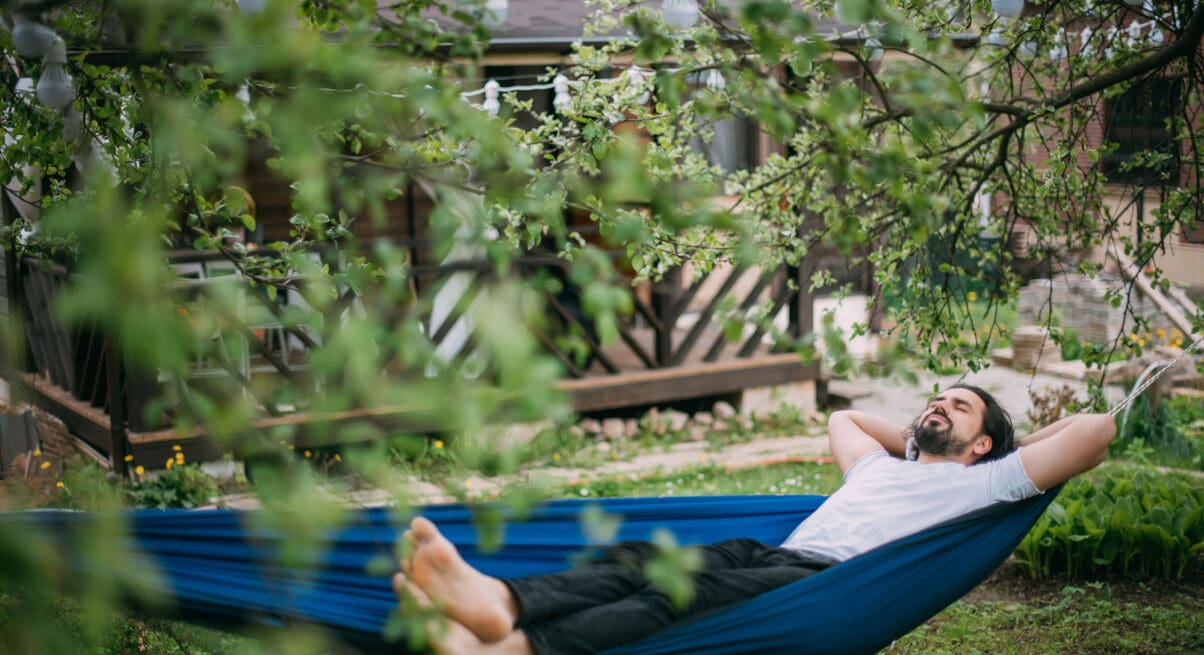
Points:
(996, 423)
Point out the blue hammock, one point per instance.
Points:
(219, 567)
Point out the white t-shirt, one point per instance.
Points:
(884, 498)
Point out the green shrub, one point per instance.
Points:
(183, 486)
(1169, 432)
(1072, 347)
(1130, 522)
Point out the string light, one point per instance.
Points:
(681, 14)
(31, 38)
(56, 88)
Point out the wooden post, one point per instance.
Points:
(119, 442)
(664, 302)
(802, 303)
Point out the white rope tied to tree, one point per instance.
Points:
(1137, 390)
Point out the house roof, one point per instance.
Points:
(541, 24)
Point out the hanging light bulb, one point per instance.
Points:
(1156, 36)
(491, 105)
(1008, 8)
(560, 87)
(875, 48)
(1110, 42)
(1059, 51)
(1085, 42)
(31, 38)
(715, 81)
(1027, 49)
(55, 88)
(1134, 34)
(495, 13)
(995, 38)
(681, 14)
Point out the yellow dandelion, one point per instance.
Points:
(168, 464)
(702, 457)
(1177, 343)
(556, 457)
(337, 458)
(468, 483)
(37, 452)
(179, 458)
(177, 448)
(438, 444)
(128, 458)
(971, 296)
(59, 484)
(139, 470)
(1141, 342)
(44, 465)
(292, 447)
(308, 454)
(1160, 332)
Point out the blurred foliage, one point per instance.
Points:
(354, 104)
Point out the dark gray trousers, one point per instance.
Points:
(607, 602)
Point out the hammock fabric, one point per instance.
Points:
(218, 566)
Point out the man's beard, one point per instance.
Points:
(936, 440)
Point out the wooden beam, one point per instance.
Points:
(679, 383)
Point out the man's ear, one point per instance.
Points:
(982, 445)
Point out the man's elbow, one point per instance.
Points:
(1102, 429)
(840, 416)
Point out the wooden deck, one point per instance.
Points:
(590, 394)
(673, 348)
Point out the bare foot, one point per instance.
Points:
(453, 638)
(480, 603)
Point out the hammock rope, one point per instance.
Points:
(1139, 388)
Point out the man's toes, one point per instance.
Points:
(420, 598)
(423, 529)
(400, 581)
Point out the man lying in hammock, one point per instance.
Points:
(967, 459)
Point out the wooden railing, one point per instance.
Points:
(678, 322)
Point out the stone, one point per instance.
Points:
(631, 427)
(704, 418)
(698, 433)
(591, 426)
(614, 428)
(655, 422)
(576, 431)
(677, 420)
(723, 410)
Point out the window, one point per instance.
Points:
(1140, 121)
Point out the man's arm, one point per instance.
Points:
(853, 433)
(1062, 450)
